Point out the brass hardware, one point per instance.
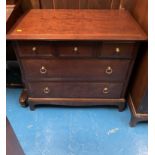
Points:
(105, 90)
(109, 70)
(46, 90)
(43, 70)
(19, 30)
(34, 49)
(117, 49)
(75, 49)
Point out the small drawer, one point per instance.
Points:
(35, 48)
(75, 49)
(76, 69)
(117, 50)
(75, 90)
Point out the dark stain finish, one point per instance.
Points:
(77, 63)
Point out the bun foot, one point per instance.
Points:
(121, 107)
(23, 99)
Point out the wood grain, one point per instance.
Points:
(99, 4)
(35, 4)
(139, 10)
(46, 4)
(115, 4)
(136, 117)
(66, 4)
(9, 10)
(75, 90)
(77, 25)
(140, 81)
(13, 12)
(30, 4)
(76, 70)
(73, 4)
(10, 2)
(138, 97)
(83, 4)
(77, 102)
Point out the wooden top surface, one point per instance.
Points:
(48, 24)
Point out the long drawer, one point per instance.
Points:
(75, 90)
(76, 69)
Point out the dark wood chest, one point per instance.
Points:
(76, 57)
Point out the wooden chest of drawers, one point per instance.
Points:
(75, 62)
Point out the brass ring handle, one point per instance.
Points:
(106, 90)
(46, 90)
(43, 70)
(117, 49)
(34, 49)
(109, 70)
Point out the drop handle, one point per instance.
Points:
(43, 70)
(109, 70)
(106, 90)
(46, 90)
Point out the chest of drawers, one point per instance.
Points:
(76, 58)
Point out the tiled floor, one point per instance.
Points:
(75, 131)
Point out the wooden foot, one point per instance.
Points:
(23, 98)
(135, 116)
(121, 107)
(133, 122)
(32, 106)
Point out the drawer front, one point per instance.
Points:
(76, 49)
(75, 90)
(117, 50)
(35, 48)
(76, 69)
